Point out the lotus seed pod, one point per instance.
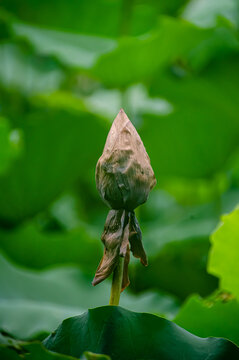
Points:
(124, 176)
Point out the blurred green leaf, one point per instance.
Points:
(8, 145)
(170, 7)
(32, 247)
(99, 17)
(5, 26)
(61, 144)
(74, 50)
(169, 269)
(138, 58)
(107, 102)
(129, 335)
(35, 302)
(11, 349)
(176, 238)
(190, 191)
(202, 132)
(7, 340)
(105, 54)
(206, 13)
(223, 256)
(24, 71)
(216, 316)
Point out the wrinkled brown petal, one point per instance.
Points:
(125, 280)
(135, 239)
(125, 252)
(112, 237)
(124, 176)
(125, 240)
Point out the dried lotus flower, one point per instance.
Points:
(124, 178)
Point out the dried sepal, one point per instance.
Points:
(125, 279)
(135, 239)
(112, 238)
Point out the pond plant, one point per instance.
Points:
(124, 178)
(170, 291)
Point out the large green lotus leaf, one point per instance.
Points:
(174, 41)
(176, 239)
(32, 247)
(202, 131)
(11, 349)
(164, 220)
(216, 316)
(34, 302)
(60, 145)
(148, 53)
(26, 72)
(100, 17)
(35, 351)
(179, 268)
(167, 220)
(86, 51)
(127, 335)
(134, 58)
(223, 258)
(74, 50)
(138, 58)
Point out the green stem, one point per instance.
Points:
(117, 283)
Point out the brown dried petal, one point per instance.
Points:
(124, 175)
(125, 252)
(135, 239)
(112, 238)
(125, 280)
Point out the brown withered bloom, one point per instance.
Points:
(124, 178)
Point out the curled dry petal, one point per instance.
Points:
(135, 239)
(125, 280)
(112, 238)
(124, 178)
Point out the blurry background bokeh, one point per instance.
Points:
(66, 68)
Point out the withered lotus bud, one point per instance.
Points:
(124, 178)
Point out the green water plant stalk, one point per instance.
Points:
(117, 283)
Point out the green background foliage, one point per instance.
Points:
(142, 336)
(67, 67)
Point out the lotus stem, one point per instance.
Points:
(117, 282)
